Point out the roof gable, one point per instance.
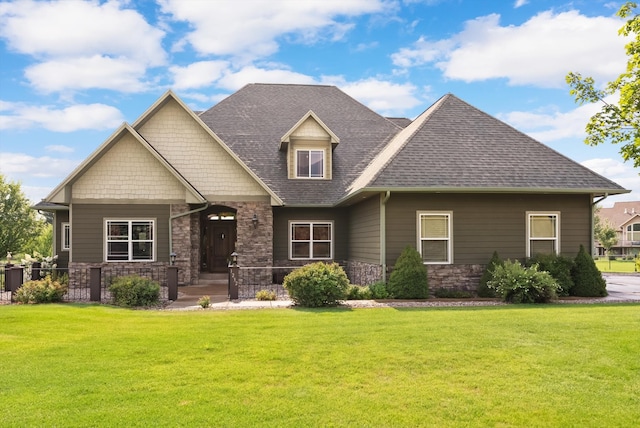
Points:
(311, 127)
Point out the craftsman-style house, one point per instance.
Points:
(624, 218)
(288, 174)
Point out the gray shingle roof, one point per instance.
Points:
(460, 146)
(456, 147)
(253, 120)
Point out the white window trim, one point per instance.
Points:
(557, 231)
(629, 234)
(449, 240)
(105, 234)
(311, 223)
(64, 245)
(324, 166)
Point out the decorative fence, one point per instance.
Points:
(247, 281)
(88, 284)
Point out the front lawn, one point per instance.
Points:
(617, 266)
(552, 365)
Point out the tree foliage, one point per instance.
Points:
(616, 123)
(408, 279)
(19, 224)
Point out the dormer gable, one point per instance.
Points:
(309, 127)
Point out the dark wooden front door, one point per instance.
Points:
(220, 243)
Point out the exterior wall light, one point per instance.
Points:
(255, 220)
(173, 257)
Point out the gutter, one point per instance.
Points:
(171, 218)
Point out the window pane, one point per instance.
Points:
(543, 226)
(117, 251)
(142, 251)
(435, 226)
(317, 164)
(542, 247)
(301, 232)
(321, 232)
(303, 163)
(321, 250)
(435, 251)
(300, 250)
(118, 230)
(141, 231)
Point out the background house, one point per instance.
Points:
(624, 217)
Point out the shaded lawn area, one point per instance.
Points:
(553, 365)
(618, 266)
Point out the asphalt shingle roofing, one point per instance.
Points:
(455, 146)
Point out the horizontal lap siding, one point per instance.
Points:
(364, 231)
(483, 224)
(88, 228)
(281, 217)
(61, 216)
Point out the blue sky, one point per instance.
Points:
(72, 71)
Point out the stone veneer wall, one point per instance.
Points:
(182, 243)
(362, 273)
(455, 277)
(79, 272)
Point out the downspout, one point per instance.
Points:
(383, 234)
(593, 221)
(171, 218)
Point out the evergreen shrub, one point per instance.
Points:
(409, 277)
(515, 283)
(559, 267)
(379, 290)
(317, 284)
(358, 292)
(134, 290)
(483, 289)
(587, 279)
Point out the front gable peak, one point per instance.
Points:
(309, 127)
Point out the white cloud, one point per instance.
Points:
(381, 96)
(24, 165)
(82, 45)
(198, 74)
(250, 30)
(539, 52)
(622, 173)
(520, 3)
(69, 119)
(235, 80)
(59, 148)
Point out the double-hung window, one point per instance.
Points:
(633, 232)
(65, 237)
(129, 240)
(309, 163)
(311, 240)
(543, 233)
(434, 237)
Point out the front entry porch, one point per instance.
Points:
(214, 285)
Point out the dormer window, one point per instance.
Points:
(309, 163)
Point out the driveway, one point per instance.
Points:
(623, 287)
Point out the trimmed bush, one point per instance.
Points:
(449, 293)
(266, 295)
(379, 290)
(587, 279)
(483, 289)
(559, 267)
(134, 290)
(317, 284)
(515, 283)
(358, 292)
(204, 302)
(409, 277)
(44, 290)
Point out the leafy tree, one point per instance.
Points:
(43, 243)
(19, 224)
(617, 123)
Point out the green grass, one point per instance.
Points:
(553, 365)
(617, 266)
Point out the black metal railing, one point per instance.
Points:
(251, 280)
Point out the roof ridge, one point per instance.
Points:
(393, 147)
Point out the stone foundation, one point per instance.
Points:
(362, 273)
(79, 272)
(455, 277)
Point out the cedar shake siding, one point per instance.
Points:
(88, 233)
(281, 218)
(484, 223)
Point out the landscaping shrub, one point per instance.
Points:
(409, 277)
(483, 289)
(358, 292)
(515, 283)
(317, 284)
(204, 302)
(559, 267)
(134, 290)
(379, 290)
(266, 295)
(448, 293)
(44, 290)
(587, 279)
